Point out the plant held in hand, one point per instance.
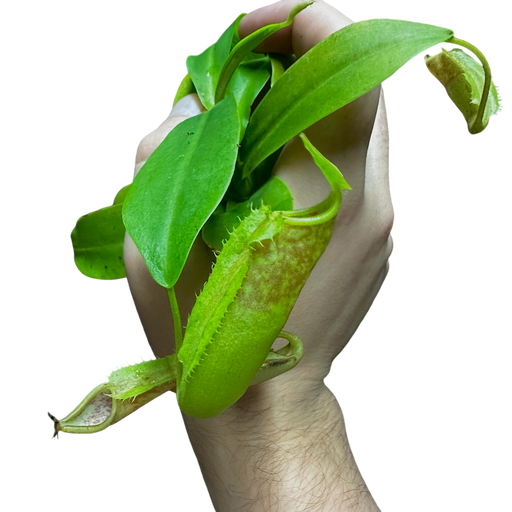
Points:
(211, 177)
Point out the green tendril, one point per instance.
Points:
(310, 217)
(477, 126)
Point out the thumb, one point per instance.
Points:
(188, 106)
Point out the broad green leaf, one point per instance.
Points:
(463, 78)
(204, 69)
(249, 43)
(96, 242)
(273, 193)
(179, 187)
(339, 69)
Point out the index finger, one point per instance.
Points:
(309, 27)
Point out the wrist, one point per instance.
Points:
(279, 451)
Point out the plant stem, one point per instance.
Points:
(178, 334)
(476, 126)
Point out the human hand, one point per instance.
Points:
(345, 281)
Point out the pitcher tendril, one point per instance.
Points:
(477, 123)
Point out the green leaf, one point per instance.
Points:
(179, 187)
(204, 69)
(247, 82)
(277, 69)
(339, 69)
(249, 43)
(273, 193)
(96, 241)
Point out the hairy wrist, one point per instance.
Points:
(279, 453)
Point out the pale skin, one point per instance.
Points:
(283, 445)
